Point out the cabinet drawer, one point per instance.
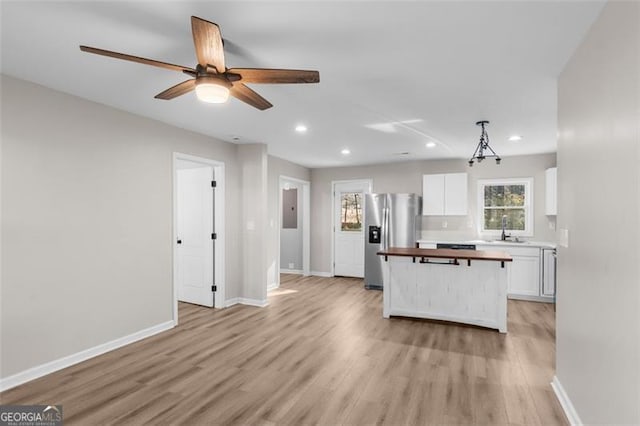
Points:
(427, 245)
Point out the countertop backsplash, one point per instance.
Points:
(463, 228)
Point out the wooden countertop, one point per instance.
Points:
(497, 256)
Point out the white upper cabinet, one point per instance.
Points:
(551, 191)
(455, 194)
(433, 195)
(444, 194)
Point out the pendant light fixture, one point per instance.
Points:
(482, 146)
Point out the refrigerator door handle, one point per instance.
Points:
(385, 228)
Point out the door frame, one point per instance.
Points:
(306, 226)
(367, 181)
(219, 220)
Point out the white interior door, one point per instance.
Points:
(194, 232)
(348, 233)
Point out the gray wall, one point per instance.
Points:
(407, 177)
(253, 159)
(279, 167)
(291, 238)
(598, 313)
(87, 222)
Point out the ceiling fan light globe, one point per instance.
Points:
(212, 92)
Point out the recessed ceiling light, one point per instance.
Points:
(301, 128)
(515, 138)
(346, 151)
(431, 144)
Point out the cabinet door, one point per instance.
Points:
(433, 195)
(551, 191)
(525, 275)
(455, 194)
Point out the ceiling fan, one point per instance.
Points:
(211, 79)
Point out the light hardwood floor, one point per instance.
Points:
(319, 353)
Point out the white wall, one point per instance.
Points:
(407, 177)
(598, 311)
(87, 222)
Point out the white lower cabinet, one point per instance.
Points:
(548, 273)
(532, 272)
(525, 276)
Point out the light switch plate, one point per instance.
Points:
(563, 238)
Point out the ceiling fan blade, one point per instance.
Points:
(136, 59)
(247, 95)
(208, 43)
(177, 90)
(262, 75)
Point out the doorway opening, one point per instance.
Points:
(294, 214)
(347, 255)
(198, 232)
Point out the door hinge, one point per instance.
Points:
(214, 288)
(214, 236)
(213, 184)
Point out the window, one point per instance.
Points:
(351, 213)
(512, 198)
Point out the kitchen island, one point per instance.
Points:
(467, 286)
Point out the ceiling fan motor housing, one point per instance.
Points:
(213, 79)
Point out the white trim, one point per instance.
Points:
(543, 299)
(231, 302)
(219, 215)
(321, 274)
(528, 207)
(69, 360)
(246, 301)
(273, 286)
(291, 271)
(357, 184)
(565, 402)
(306, 225)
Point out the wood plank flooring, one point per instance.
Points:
(320, 353)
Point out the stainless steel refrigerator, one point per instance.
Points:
(391, 220)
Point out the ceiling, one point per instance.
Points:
(393, 75)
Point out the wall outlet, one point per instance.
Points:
(291, 266)
(552, 225)
(444, 224)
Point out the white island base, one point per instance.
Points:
(467, 291)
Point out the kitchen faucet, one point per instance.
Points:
(504, 235)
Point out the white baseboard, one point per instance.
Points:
(565, 402)
(246, 301)
(291, 271)
(273, 287)
(543, 299)
(322, 274)
(67, 361)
